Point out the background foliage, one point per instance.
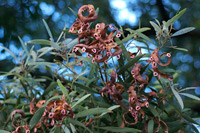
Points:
(37, 72)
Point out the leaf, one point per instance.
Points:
(154, 111)
(75, 122)
(129, 37)
(155, 26)
(36, 117)
(130, 63)
(92, 111)
(24, 47)
(150, 126)
(178, 97)
(80, 100)
(188, 118)
(52, 98)
(190, 96)
(64, 90)
(110, 109)
(82, 86)
(44, 50)
(177, 16)
(72, 128)
(183, 31)
(65, 129)
(40, 41)
(11, 53)
(72, 43)
(119, 129)
(41, 63)
(188, 88)
(34, 55)
(47, 28)
(181, 49)
(73, 12)
(97, 10)
(143, 29)
(4, 131)
(55, 45)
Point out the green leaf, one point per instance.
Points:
(110, 109)
(80, 100)
(181, 49)
(75, 122)
(177, 16)
(97, 10)
(72, 128)
(143, 29)
(65, 129)
(189, 119)
(44, 50)
(41, 63)
(154, 111)
(183, 31)
(130, 63)
(150, 126)
(36, 117)
(82, 86)
(129, 37)
(64, 90)
(190, 96)
(188, 88)
(73, 12)
(48, 30)
(178, 97)
(119, 129)
(52, 98)
(4, 131)
(92, 111)
(40, 41)
(11, 53)
(55, 45)
(24, 47)
(155, 26)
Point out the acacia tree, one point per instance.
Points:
(101, 84)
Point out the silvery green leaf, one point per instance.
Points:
(183, 31)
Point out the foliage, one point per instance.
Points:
(96, 93)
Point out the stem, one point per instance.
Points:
(101, 74)
(105, 73)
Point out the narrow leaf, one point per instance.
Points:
(73, 12)
(130, 63)
(180, 49)
(4, 131)
(188, 88)
(92, 111)
(119, 129)
(183, 31)
(190, 96)
(110, 109)
(64, 90)
(55, 45)
(177, 16)
(155, 26)
(40, 41)
(36, 117)
(47, 28)
(178, 97)
(80, 100)
(11, 53)
(72, 128)
(150, 126)
(75, 122)
(24, 47)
